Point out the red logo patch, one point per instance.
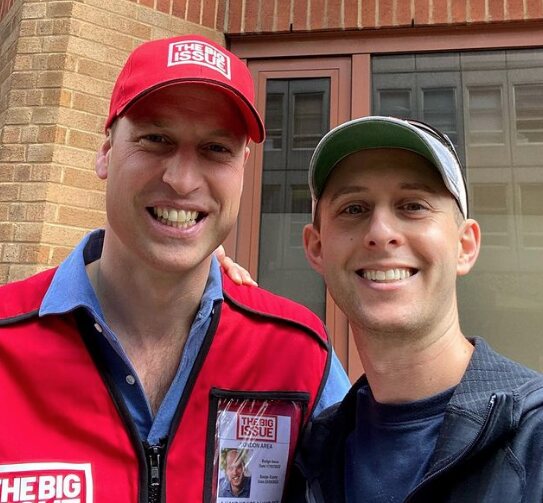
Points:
(199, 53)
(262, 428)
(46, 483)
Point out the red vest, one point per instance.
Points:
(65, 439)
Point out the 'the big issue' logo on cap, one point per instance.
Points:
(197, 52)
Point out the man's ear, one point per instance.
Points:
(469, 246)
(313, 247)
(102, 158)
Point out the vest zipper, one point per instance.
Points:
(154, 455)
(461, 456)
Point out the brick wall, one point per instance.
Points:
(11, 151)
(276, 16)
(207, 13)
(266, 16)
(58, 62)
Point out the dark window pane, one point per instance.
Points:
(274, 124)
(297, 116)
(439, 109)
(529, 113)
(395, 103)
(486, 116)
(308, 112)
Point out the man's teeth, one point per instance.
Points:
(388, 275)
(176, 218)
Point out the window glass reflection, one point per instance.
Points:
(297, 116)
(490, 104)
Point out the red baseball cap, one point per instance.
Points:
(186, 59)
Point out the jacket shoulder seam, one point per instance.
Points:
(323, 340)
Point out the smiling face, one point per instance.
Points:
(234, 471)
(390, 243)
(174, 167)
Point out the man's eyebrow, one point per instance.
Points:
(418, 186)
(143, 121)
(225, 133)
(348, 189)
(357, 189)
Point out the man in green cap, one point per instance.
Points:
(436, 417)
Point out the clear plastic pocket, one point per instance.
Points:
(251, 440)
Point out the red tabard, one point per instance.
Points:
(65, 439)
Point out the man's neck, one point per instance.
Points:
(146, 304)
(151, 314)
(411, 369)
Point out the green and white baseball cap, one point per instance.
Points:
(388, 132)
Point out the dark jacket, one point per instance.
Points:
(489, 450)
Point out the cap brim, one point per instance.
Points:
(255, 127)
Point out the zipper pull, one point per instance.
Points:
(154, 455)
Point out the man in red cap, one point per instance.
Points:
(127, 370)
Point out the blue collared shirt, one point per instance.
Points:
(71, 289)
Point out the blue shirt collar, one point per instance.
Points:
(71, 287)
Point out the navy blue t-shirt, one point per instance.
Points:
(387, 454)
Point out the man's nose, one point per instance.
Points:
(183, 172)
(383, 230)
